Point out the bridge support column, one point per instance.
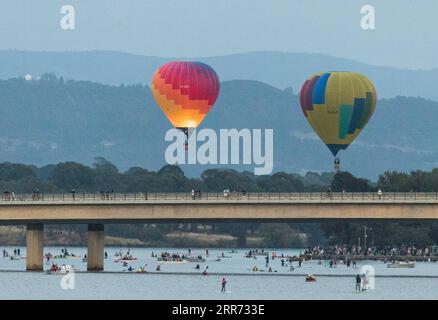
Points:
(35, 247)
(95, 247)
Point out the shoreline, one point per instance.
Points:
(383, 258)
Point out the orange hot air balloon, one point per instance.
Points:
(185, 91)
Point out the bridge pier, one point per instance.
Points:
(95, 242)
(35, 247)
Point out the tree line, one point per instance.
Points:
(103, 175)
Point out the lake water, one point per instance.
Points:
(182, 281)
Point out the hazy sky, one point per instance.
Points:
(405, 34)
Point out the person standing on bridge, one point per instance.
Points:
(379, 193)
(329, 193)
(73, 193)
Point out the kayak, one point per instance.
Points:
(171, 262)
(66, 257)
(194, 259)
(310, 279)
(401, 264)
(258, 253)
(125, 260)
(63, 270)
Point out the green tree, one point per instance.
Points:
(68, 175)
(346, 181)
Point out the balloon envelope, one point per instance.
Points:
(338, 105)
(185, 92)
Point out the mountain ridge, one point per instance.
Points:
(279, 69)
(52, 120)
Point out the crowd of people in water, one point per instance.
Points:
(356, 250)
(362, 280)
(16, 253)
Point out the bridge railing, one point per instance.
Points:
(212, 196)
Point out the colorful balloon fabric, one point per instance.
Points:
(185, 92)
(338, 105)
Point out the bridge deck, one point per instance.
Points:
(215, 207)
(77, 198)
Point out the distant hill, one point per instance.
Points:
(280, 70)
(53, 120)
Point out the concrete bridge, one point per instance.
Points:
(95, 210)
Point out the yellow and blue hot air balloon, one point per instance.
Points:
(338, 105)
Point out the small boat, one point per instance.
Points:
(65, 257)
(310, 278)
(125, 260)
(140, 271)
(258, 253)
(64, 269)
(173, 258)
(401, 264)
(195, 259)
(172, 261)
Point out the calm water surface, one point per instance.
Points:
(184, 282)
